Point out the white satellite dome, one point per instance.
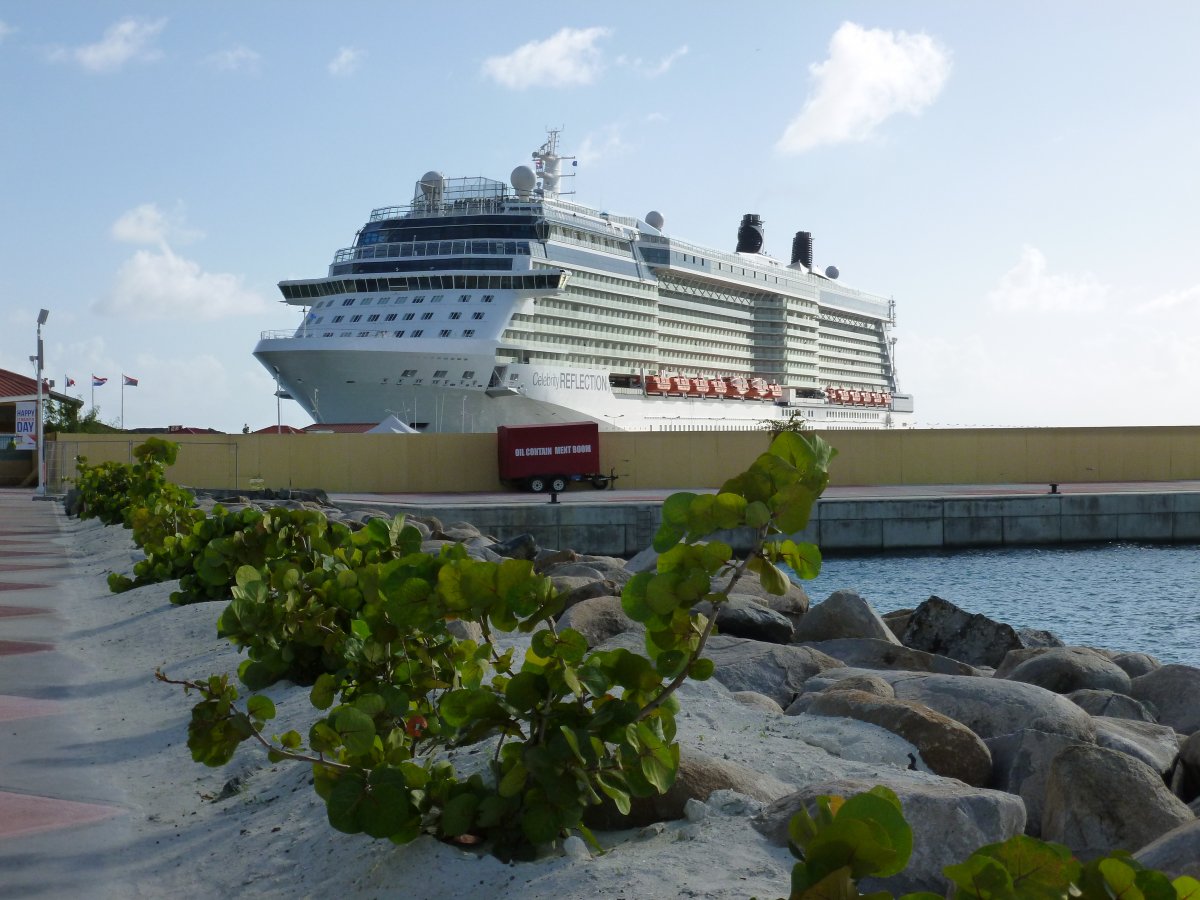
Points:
(432, 185)
(655, 219)
(523, 180)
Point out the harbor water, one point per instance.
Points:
(1135, 597)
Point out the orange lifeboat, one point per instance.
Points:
(697, 387)
(715, 387)
(757, 389)
(774, 391)
(735, 388)
(679, 385)
(656, 384)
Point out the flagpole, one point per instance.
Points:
(122, 402)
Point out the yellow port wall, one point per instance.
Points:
(440, 463)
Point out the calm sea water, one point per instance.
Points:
(1121, 596)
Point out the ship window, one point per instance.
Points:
(477, 315)
(355, 318)
(364, 334)
(456, 315)
(346, 334)
(408, 373)
(417, 332)
(464, 298)
(391, 317)
(366, 301)
(418, 299)
(408, 317)
(427, 315)
(383, 301)
(469, 374)
(440, 373)
(487, 298)
(399, 334)
(349, 301)
(445, 332)
(338, 318)
(374, 318)
(327, 334)
(468, 332)
(437, 298)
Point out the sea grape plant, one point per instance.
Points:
(866, 835)
(367, 622)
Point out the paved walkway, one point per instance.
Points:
(59, 820)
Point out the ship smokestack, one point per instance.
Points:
(750, 234)
(802, 249)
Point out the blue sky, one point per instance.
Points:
(1020, 177)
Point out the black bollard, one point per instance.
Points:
(554, 496)
(1054, 487)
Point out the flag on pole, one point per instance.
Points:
(70, 381)
(97, 381)
(131, 382)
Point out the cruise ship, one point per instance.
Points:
(483, 303)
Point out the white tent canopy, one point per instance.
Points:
(391, 425)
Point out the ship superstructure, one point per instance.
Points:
(482, 304)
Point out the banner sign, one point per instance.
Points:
(27, 431)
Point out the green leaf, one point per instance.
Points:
(773, 580)
(260, 708)
(323, 691)
(384, 808)
(1038, 869)
(758, 514)
(458, 815)
(344, 798)
(356, 729)
(513, 781)
(702, 669)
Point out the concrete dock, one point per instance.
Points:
(860, 519)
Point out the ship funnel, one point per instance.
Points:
(750, 234)
(802, 249)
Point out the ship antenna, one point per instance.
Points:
(548, 166)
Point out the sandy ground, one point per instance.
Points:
(186, 833)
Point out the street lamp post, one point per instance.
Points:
(43, 315)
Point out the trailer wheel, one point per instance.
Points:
(558, 484)
(537, 484)
(600, 482)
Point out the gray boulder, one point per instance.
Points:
(868, 683)
(949, 822)
(897, 621)
(1176, 853)
(938, 626)
(523, 546)
(871, 653)
(843, 614)
(991, 707)
(745, 616)
(1136, 664)
(949, 748)
(757, 701)
(1099, 800)
(460, 532)
(548, 559)
(1174, 690)
(1112, 704)
(699, 776)
(1020, 764)
(775, 670)
(598, 619)
(1186, 782)
(793, 602)
(1155, 745)
(1067, 669)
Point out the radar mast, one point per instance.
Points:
(548, 166)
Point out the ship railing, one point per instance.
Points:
(439, 209)
(831, 291)
(566, 206)
(432, 248)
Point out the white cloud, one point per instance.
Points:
(347, 61)
(566, 59)
(235, 59)
(161, 285)
(1028, 286)
(5, 30)
(653, 70)
(129, 39)
(607, 143)
(1186, 300)
(147, 224)
(870, 76)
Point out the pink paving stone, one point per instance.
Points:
(22, 814)
(12, 648)
(12, 612)
(16, 586)
(27, 708)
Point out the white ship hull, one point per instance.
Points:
(360, 385)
